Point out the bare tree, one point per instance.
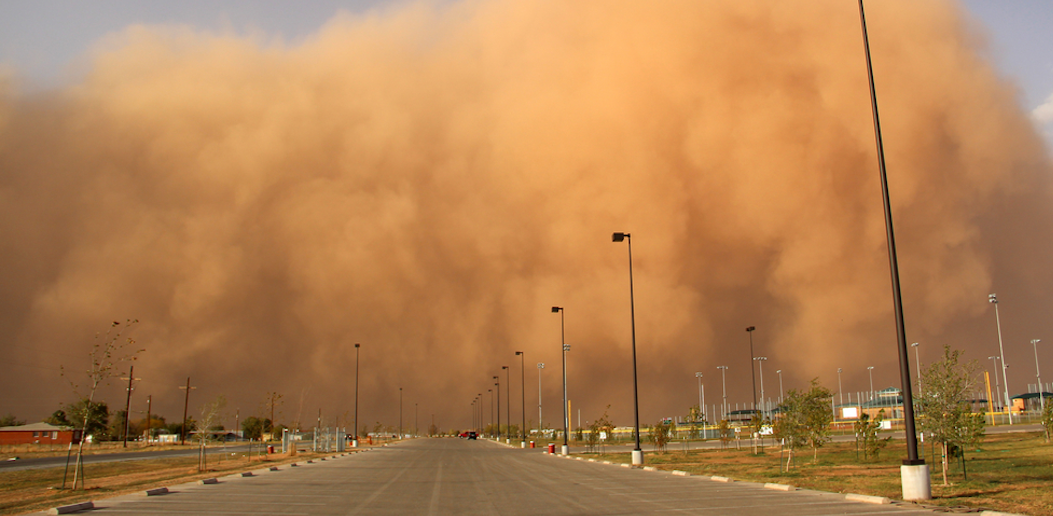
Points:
(210, 415)
(108, 350)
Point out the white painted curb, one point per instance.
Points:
(867, 498)
(721, 479)
(780, 487)
(679, 473)
(650, 468)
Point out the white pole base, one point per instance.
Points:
(354, 443)
(916, 482)
(564, 450)
(522, 444)
(637, 457)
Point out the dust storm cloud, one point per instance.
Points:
(429, 179)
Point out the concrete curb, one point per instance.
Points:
(779, 487)
(156, 491)
(679, 473)
(66, 509)
(996, 513)
(650, 468)
(881, 500)
(721, 479)
(208, 481)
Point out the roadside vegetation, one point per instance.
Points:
(1007, 472)
(36, 489)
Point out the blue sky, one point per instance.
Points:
(42, 38)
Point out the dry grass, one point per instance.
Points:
(35, 490)
(1009, 472)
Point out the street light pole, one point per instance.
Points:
(508, 403)
(522, 390)
(779, 372)
(840, 391)
(914, 473)
(760, 363)
(724, 390)
(497, 383)
(1038, 377)
(354, 443)
(400, 413)
(491, 391)
(701, 400)
(565, 347)
(637, 455)
(540, 426)
(993, 298)
(753, 377)
(917, 362)
(871, 371)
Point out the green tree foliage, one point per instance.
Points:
(253, 427)
(724, 428)
(805, 420)
(867, 435)
(943, 402)
(92, 417)
(11, 420)
(659, 435)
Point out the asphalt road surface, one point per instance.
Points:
(455, 476)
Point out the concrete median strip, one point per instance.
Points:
(881, 500)
(66, 509)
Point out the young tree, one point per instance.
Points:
(108, 350)
(791, 426)
(659, 435)
(1047, 421)
(724, 428)
(210, 415)
(944, 402)
(867, 433)
(817, 417)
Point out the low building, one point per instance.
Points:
(37, 433)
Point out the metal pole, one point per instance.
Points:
(522, 390)
(637, 451)
(839, 389)
(508, 402)
(565, 348)
(540, 426)
(998, 383)
(149, 401)
(779, 372)
(356, 392)
(992, 298)
(1038, 377)
(498, 384)
(186, 405)
(701, 403)
(128, 404)
(897, 298)
(400, 412)
(724, 390)
(917, 362)
(753, 376)
(760, 363)
(871, 371)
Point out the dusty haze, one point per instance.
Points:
(429, 180)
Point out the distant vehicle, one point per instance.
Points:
(462, 435)
(472, 436)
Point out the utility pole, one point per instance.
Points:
(128, 403)
(186, 405)
(149, 399)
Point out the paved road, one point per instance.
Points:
(454, 476)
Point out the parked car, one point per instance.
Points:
(472, 436)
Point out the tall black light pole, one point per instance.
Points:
(508, 403)
(497, 383)
(637, 452)
(400, 412)
(753, 377)
(914, 474)
(491, 391)
(355, 442)
(522, 390)
(565, 348)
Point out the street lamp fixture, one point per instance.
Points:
(637, 454)
(565, 347)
